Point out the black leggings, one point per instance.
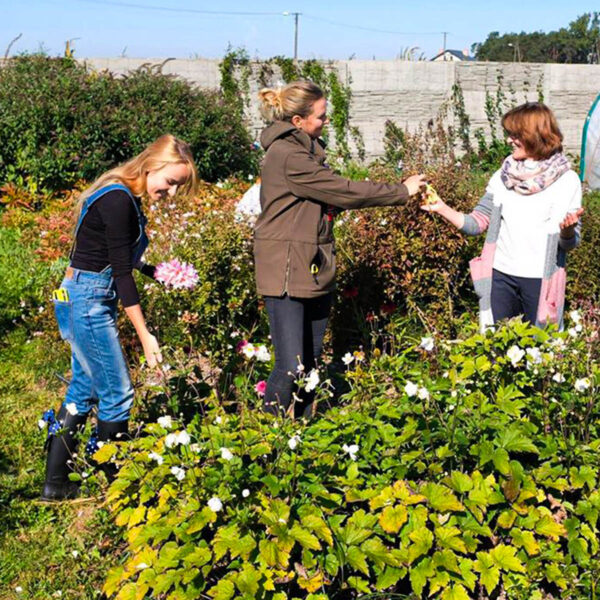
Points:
(513, 296)
(297, 330)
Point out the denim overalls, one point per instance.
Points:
(88, 321)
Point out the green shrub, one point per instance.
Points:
(60, 122)
(26, 283)
(470, 470)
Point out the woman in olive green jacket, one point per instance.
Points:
(294, 249)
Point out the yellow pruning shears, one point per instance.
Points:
(314, 269)
(61, 295)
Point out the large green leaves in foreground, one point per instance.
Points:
(475, 471)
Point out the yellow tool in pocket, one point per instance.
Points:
(314, 269)
(61, 295)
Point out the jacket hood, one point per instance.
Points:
(281, 129)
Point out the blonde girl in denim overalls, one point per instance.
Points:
(86, 306)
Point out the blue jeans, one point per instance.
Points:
(297, 329)
(88, 321)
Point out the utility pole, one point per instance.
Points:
(296, 15)
(444, 45)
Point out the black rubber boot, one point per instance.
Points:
(61, 447)
(109, 431)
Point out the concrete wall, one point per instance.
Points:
(411, 93)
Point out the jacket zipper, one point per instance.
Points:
(287, 271)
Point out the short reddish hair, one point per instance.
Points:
(535, 126)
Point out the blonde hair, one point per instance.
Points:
(296, 98)
(165, 150)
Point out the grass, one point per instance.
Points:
(48, 550)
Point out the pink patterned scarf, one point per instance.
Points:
(532, 176)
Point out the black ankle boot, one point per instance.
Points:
(61, 447)
(109, 431)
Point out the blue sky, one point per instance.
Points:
(327, 29)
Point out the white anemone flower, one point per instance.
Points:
(427, 344)
(351, 450)
(249, 351)
(178, 472)
(215, 504)
(157, 457)
(165, 421)
(558, 377)
(411, 389)
(171, 440)
(575, 316)
(226, 453)
(183, 438)
(534, 355)
(582, 384)
(262, 354)
(245, 493)
(515, 354)
(312, 381)
(423, 394)
(347, 358)
(293, 442)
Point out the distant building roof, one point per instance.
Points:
(452, 55)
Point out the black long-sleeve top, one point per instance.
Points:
(106, 237)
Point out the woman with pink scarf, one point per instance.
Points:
(531, 210)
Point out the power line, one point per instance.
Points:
(182, 10)
(349, 26)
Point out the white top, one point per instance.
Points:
(527, 221)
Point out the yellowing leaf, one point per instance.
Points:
(419, 575)
(550, 528)
(460, 482)
(393, 518)
(311, 584)
(507, 519)
(525, 539)
(318, 526)
(137, 516)
(105, 453)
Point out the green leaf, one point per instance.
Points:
(422, 540)
(441, 498)
(419, 574)
(490, 572)
(460, 482)
(357, 559)
(332, 564)
(456, 592)
(393, 518)
(449, 537)
(378, 553)
(504, 558)
(224, 590)
(305, 538)
(359, 584)
(525, 539)
(226, 538)
(389, 577)
(513, 439)
(501, 461)
(318, 526)
(578, 548)
(585, 475)
(247, 580)
(137, 516)
(352, 472)
(507, 518)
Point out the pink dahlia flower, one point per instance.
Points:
(261, 387)
(176, 275)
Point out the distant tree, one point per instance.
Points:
(577, 43)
